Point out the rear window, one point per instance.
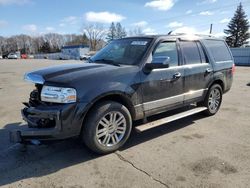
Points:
(219, 50)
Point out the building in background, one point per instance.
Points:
(76, 52)
(241, 56)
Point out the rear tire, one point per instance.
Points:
(107, 127)
(213, 100)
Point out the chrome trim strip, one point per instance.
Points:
(163, 102)
(171, 100)
(34, 78)
(194, 94)
(190, 66)
(227, 61)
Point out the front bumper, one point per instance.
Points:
(46, 123)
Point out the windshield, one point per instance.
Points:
(123, 51)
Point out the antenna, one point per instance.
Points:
(170, 32)
(211, 29)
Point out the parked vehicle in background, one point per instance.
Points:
(24, 56)
(5, 56)
(31, 56)
(91, 53)
(130, 79)
(1, 57)
(12, 56)
(84, 57)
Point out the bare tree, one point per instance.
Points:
(11, 44)
(54, 40)
(77, 40)
(2, 43)
(95, 33)
(35, 44)
(24, 43)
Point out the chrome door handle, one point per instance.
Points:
(177, 75)
(208, 70)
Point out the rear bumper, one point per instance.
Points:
(49, 123)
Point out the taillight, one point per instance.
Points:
(233, 69)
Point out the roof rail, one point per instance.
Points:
(196, 34)
(204, 35)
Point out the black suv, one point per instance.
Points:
(130, 79)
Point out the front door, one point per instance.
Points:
(163, 88)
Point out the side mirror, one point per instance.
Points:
(159, 62)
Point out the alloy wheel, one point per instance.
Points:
(214, 100)
(111, 129)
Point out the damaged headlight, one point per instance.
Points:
(58, 94)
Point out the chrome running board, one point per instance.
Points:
(168, 119)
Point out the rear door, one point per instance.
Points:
(198, 72)
(222, 61)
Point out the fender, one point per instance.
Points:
(118, 96)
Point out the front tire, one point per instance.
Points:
(213, 100)
(107, 127)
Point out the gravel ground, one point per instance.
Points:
(196, 151)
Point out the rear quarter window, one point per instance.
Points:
(218, 50)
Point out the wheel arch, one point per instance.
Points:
(220, 82)
(116, 97)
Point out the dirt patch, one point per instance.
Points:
(207, 165)
(180, 178)
(190, 137)
(230, 109)
(198, 136)
(187, 137)
(7, 72)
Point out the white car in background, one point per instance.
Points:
(12, 56)
(1, 57)
(84, 57)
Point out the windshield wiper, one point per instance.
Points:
(108, 61)
(90, 60)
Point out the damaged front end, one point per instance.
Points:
(39, 114)
(46, 120)
(43, 120)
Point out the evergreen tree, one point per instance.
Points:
(116, 31)
(112, 32)
(120, 31)
(238, 29)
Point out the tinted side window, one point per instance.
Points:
(203, 56)
(190, 52)
(164, 50)
(219, 50)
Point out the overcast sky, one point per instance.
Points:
(37, 17)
